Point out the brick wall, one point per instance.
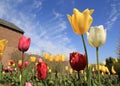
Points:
(12, 37)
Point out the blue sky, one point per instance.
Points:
(46, 23)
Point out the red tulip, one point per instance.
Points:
(5, 69)
(77, 61)
(11, 62)
(24, 44)
(20, 65)
(42, 70)
(26, 63)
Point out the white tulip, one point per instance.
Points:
(97, 36)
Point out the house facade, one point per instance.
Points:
(12, 33)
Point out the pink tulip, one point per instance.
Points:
(24, 43)
(39, 60)
(28, 84)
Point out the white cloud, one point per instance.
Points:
(114, 14)
(47, 36)
(37, 4)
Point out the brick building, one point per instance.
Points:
(12, 33)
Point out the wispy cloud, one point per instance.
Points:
(37, 4)
(49, 36)
(114, 14)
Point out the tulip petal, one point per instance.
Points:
(80, 21)
(3, 43)
(97, 36)
(70, 20)
(91, 11)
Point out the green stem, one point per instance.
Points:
(78, 75)
(98, 66)
(21, 81)
(44, 83)
(85, 51)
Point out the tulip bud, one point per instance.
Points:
(26, 63)
(77, 61)
(97, 36)
(11, 62)
(24, 44)
(80, 21)
(42, 70)
(32, 58)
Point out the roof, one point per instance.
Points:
(11, 26)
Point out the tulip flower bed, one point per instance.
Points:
(68, 78)
(53, 70)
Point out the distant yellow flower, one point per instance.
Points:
(56, 58)
(102, 73)
(13, 65)
(66, 68)
(89, 65)
(50, 70)
(71, 70)
(63, 57)
(81, 71)
(80, 21)
(116, 60)
(46, 56)
(19, 61)
(32, 58)
(50, 58)
(93, 69)
(113, 70)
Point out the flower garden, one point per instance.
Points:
(55, 70)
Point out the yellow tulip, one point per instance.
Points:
(3, 43)
(50, 70)
(93, 69)
(71, 70)
(19, 61)
(46, 56)
(13, 65)
(102, 73)
(56, 58)
(66, 68)
(116, 60)
(113, 70)
(81, 72)
(32, 58)
(80, 21)
(50, 58)
(63, 58)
